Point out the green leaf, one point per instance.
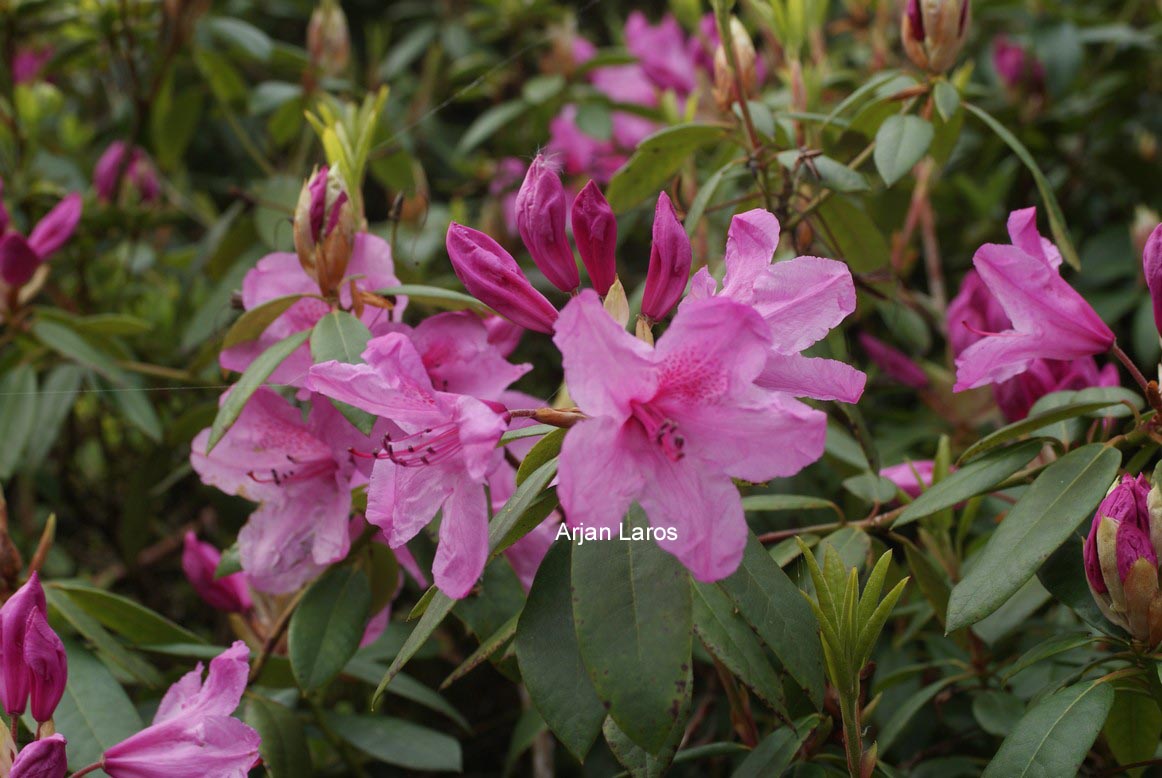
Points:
(250, 325)
(776, 752)
(856, 237)
(1133, 727)
(978, 477)
(1032, 424)
(134, 403)
(53, 406)
(131, 620)
(438, 607)
(68, 343)
(242, 37)
(284, 739)
(539, 89)
(1047, 514)
(1054, 736)
(932, 580)
(788, 502)
(642, 763)
(95, 713)
(1058, 644)
(997, 712)
(947, 100)
(524, 734)
(108, 647)
(398, 742)
(705, 194)
(732, 642)
(823, 169)
(487, 648)
(546, 448)
(550, 660)
(17, 416)
(773, 606)
(327, 626)
(489, 123)
(259, 370)
(901, 142)
(436, 297)
(904, 712)
(871, 487)
(656, 159)
(112, 324)
(230, 563)
(500, 534)
(1063, 574)
(632, 613)
(339, 336)
(1056, 218)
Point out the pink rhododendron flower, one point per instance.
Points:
(581, 153)
(44, 758)
(193, 734)
(14, 619)
(1152, 268)
(911, 477)
(1050, 320)
(438, 457)
(20, 257)
(895, 363)
(301, 475)
(800, 299)
(280, 274)
(28, 62)
(1044, 376)
(674, 424)
(662, 51)
(230, 593)
(138, 171)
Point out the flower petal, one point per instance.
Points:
(815, 377)
(599, 473)
(463, 548)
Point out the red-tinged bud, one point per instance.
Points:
(44, 758)
(540, 219)
(491, 275)
(324, 228)
(230, 593)
(18, 262)
(13, 630)
(48, 666)
(933, 32)
(1152, 267)
(595, 230)
(671, 257)
(328, 40)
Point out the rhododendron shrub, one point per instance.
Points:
(552, 388)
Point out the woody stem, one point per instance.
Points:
(86, 770)
(1124, 358)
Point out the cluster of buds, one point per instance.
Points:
(33, 671)
(725, 87)
(328, 40)
(324, 229)
(933, 32)
(1121, 557)
(126, 166)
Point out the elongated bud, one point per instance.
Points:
(1120, 537)
(18, 262)
(595, 230)
(933, 32)
(230, 593)
(540, 219)
(328, 41)
(725, 89)
(13, 630)
(48, 667)
(324, 228)
(493, 277)
(1152, 267)
(670, 260)
(895, 363)
(44, 758)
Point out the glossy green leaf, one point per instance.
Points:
(1133, 727)
(284, 739)
(546, 448)
(978, 477)
(131, 620)
(398, 742)
(110, 650)
(436, 297)
(257, 373)
(438, 607)
(18, 404)
(947, 99)
(550, 660)
(657, 159)
(997, 712)
(1054, 736)
(901, 142)
(53, 406)
(853, 235)
(134, 402)
(68, 343)
(632, 613)
(640, 762)
(906, 711)
(327, 626)
(774, 607)
(251, 324)
(339, 336)
(1062, 497)
(1058, 644)
(788, 502)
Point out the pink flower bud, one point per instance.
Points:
(44, 758)
(230, 593)
(540, 219)
(595, 230)
(1152, 266)
(57, 226)
(1132, 544)
(18, 262)
(491, 275)
(933, 32)
(324, 229)
(1016, 67)
(893, 362)
(13, 629)
(670, 260)
(48, 666)
(1118, 537)
(113, 168)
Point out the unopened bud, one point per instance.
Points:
(328, 41)
(324, 229)
(671, 257)
(13, 631)
(540, 219)
(1152, 267)
(44, 758)
(493, 277)
(725, 88)
(230, 593)
(595, 230)
(48, 668)
(933, 32)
